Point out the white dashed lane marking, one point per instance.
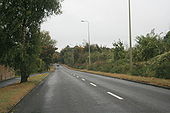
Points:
(93, 84)
(83, 79)
(118, 97)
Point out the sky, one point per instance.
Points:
(108, 21)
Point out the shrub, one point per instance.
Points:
(140, 69)
(158, 66)
(161, 65)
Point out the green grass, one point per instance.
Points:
(12, 94)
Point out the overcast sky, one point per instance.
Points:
(108, 21)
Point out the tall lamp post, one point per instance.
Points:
(88, 29)
(130, 36)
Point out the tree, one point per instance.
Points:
(166, 41)
(118, 50)
(67, 55)
(19, 28)
(148, 46)
(48, 49)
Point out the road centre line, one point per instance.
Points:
(93, 84)
(118, 97)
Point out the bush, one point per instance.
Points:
(120, 66)
(160, 65)
(140, 69)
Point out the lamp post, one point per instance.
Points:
(130, 36)
(88, 29)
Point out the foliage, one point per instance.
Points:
(19, 32)
(160, 65)
(166, 42)
(47, 49)
(118, 50)
(148, 46)
(156, 67)
(150, 57)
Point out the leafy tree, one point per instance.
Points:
(66, 55)
(166, 41)
(48, 49)
(148, 46)
(118, 50)
(19, 28)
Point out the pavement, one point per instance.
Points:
(11, 81)
(68, 91)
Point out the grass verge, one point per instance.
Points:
(12, 94)
(147, 80)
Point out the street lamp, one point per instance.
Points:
(130, 36)
(88, 29)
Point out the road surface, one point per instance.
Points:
(68, 91)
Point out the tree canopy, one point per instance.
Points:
(20, 32)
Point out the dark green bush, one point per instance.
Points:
(140, 69)
(120, 66)
(160, 65)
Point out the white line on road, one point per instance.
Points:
(93, 84)
(120, 98)
(83, 79)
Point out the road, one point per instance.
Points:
(68, 91)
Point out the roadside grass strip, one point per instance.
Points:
(148, 80)
(12, 94)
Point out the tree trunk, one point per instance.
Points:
(24, 79)
(24, 72)
(24, 76)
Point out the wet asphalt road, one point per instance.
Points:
(68, 91)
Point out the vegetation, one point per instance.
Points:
(149, 80)
(22, 45)
(151, 57)
(12, 94)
